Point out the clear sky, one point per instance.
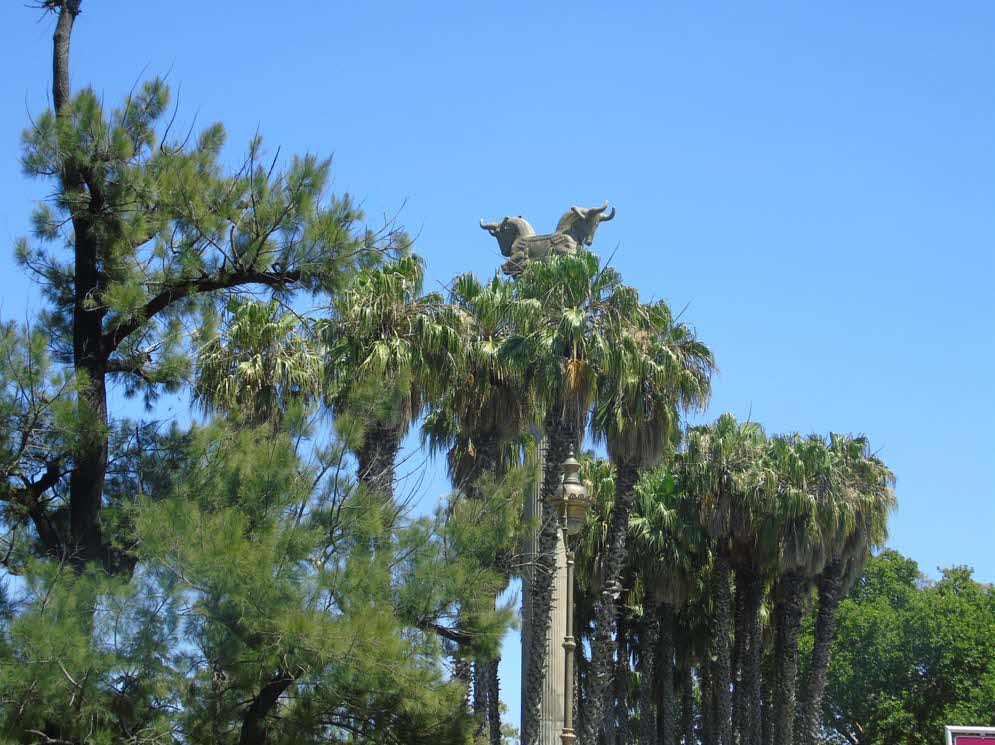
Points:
(813, 182)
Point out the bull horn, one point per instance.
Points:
(609, 216)
(579, 211)
(489, 226)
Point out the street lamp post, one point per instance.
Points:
(572, 501)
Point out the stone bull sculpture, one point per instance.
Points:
(520, 244)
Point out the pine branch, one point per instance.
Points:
(253, 724)
(130, 367)
(175, 292)
(49, 479)
(29, 497)
(453, 635)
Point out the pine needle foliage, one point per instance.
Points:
(144, 236)
(257, 611)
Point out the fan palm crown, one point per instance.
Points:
(384, 331)
(264, 361)
(571, 312)
(390, 351)
(482, 416)
(655, 369)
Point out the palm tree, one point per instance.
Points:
(588, 546)
(655, 370)
(862, 486)
(690, 640)
(390, 350)
(571, 313)
(721, 472)
(754, 551)
(810, 520)
(480, 422)
(486, 408)
(748, 702)
(669, 553)
(262, 364)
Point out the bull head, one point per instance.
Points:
(581, 222)
(492, 227)
(508, 231)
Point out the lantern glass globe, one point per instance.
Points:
(573, 498)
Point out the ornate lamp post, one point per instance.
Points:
(572, 501)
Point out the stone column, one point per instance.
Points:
(551, 723)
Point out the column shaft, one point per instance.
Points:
(551, 723)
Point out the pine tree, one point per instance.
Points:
(158, 232)
(257, 612)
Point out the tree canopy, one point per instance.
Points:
(911, 655)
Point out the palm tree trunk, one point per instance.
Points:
(706, 690)
(377, 456)
(687, 699)
(665, 675)
(481, 697)
(626, 476)
(623, 734)
(560, 436)
(769, 685)
(647, 678)
(788, 616)
(494, 702)
(752, 587)
(723, 662)
(488, 709)
(807, 727)
(463, 672)
(740, 633)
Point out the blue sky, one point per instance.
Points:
(814, 183)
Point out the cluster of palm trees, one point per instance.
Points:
(733, 539)
(731, 529)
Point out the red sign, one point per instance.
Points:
(974, 740)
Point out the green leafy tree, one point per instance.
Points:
(258, 613)
(38, 432)
(910, 656)
(252, 593)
